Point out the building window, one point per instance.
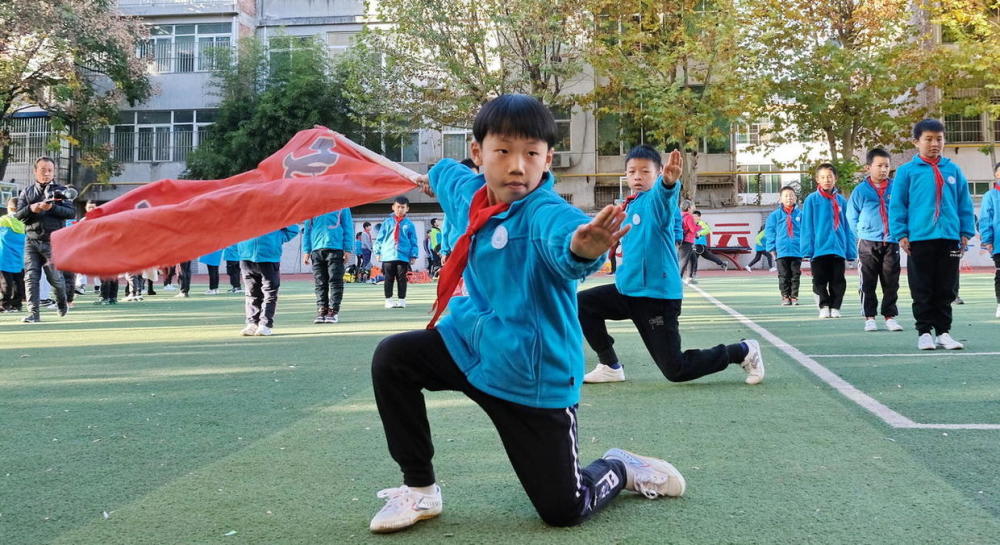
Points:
(29, 137)
(760, 183)
(456, 144)
(404, 148)
(337, 43)
(281, 49)
(563, 117)
(748, 134)
(186, 48)
(158, 136)
(960, 128)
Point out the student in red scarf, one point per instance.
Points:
(930, 214)
(397, 249)
(828, 241)
(782, 236)
(513, 345)
(878, 252)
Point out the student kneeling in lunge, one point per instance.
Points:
(647, 288)
(513, 345)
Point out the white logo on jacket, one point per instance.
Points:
(951, 180)
(636, 219)
(499, 239)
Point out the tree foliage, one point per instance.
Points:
(973, 29)
(77, 60)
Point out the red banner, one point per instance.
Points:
(170, 221)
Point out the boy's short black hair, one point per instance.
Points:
(788, 188)
(366, 224)
(697, 213)
(358, 235)
(932, 125)
(644, 151)
(995, 167)
(828, 166)
(434, 222)
(469, 163)
(876, 152)
(401, 200)
(515, 115)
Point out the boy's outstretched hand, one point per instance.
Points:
(673, 167)
(591, 240)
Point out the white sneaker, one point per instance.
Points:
(249, 330)
(137, 298)
(892, 325)
(686, 280)
(389, 304)
(263, 331)
(998, 311)
(405, 507)
(753, 364)
(181, 295)
(650, 477)
(870, 325)
(945, 341)
(772, 269)
(129, 298)
(835, 313)
(604, 373)
(211, 292)
(400, 303)
(824, 312)
(926, 342)
(170, 287)
(748, 268)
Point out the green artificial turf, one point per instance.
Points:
(159, 415)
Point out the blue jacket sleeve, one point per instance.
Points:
(899, 205)
(851, 252)
(289, 232)
(414, 247)
(966, 217)
(307, 236)
(854, 208)
(555, 226)
(347, 226)
(806, 234)
(986, 218)
(770, 236)
(382, 235)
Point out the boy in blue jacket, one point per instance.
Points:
(828, 241)
(782, 236)
(930, 214)
(878, 252)
(989, 228)
(12, 236)
(327, 243)
(397, 249)
(648, 288)
(260, 261)
(513, 345)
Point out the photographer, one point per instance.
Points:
(44, 208)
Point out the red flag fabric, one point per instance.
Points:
(170, 221)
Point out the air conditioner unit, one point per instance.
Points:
(561, 160)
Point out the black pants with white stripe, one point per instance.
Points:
(878, 263)
(540, 443)
(996, 277)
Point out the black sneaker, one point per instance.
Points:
(320, 317)
(63, 311)
(32, 318)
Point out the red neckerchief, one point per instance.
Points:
(832, 196)
(479, 213)
(883, 210)
(395, 232)
(629, 199)
(938, 184)
(996, 185)
(788, 220)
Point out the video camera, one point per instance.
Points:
(55, 194)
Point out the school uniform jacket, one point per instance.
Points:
(12, 236)
(864, 215)
(989, 219)
(212, 259)
(386, 246)
(331, 231)
(777, 237)
(819, 237)
(911, 209)
(649, 265)
(267, 248)
(517, 335)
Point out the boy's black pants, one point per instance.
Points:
(262, 282)
(829, 283)
(109, 289)
(328, 273)
(878, 262)
(996, 277)
(233, 270)
(395, 271)
(688, 259)
(702, 251)
(213, 277)
(11, 290)
(69, 280)
(540, 443)
(932, 272)
(761, 254)
(184, 276)
(789, 274)
(656, 320)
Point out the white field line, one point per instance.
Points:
(866, 401)
(925, 354)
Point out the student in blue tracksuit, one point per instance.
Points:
(260, 261)
(878, 252)
(828, 241)
(989, 229)
(396, 247)
(513, 345)
(231, 255)
(12, 237)
(648, 288)
(212, 261)
(327, 242)
(930, 214)
(782, 230)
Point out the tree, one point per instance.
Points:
(77, 60)
(437, 61)
(669, 68)
(265, 98)
(845, 72)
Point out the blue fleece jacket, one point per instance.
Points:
(331, 231)
(819, 237)
(12, 236)
(212, 259)
(989, 219)
(649, 265)
(231, 253)
(911, 208)
(517, 334)
(777, 237)
(864, 215)
(267, 248)
(385, 245)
